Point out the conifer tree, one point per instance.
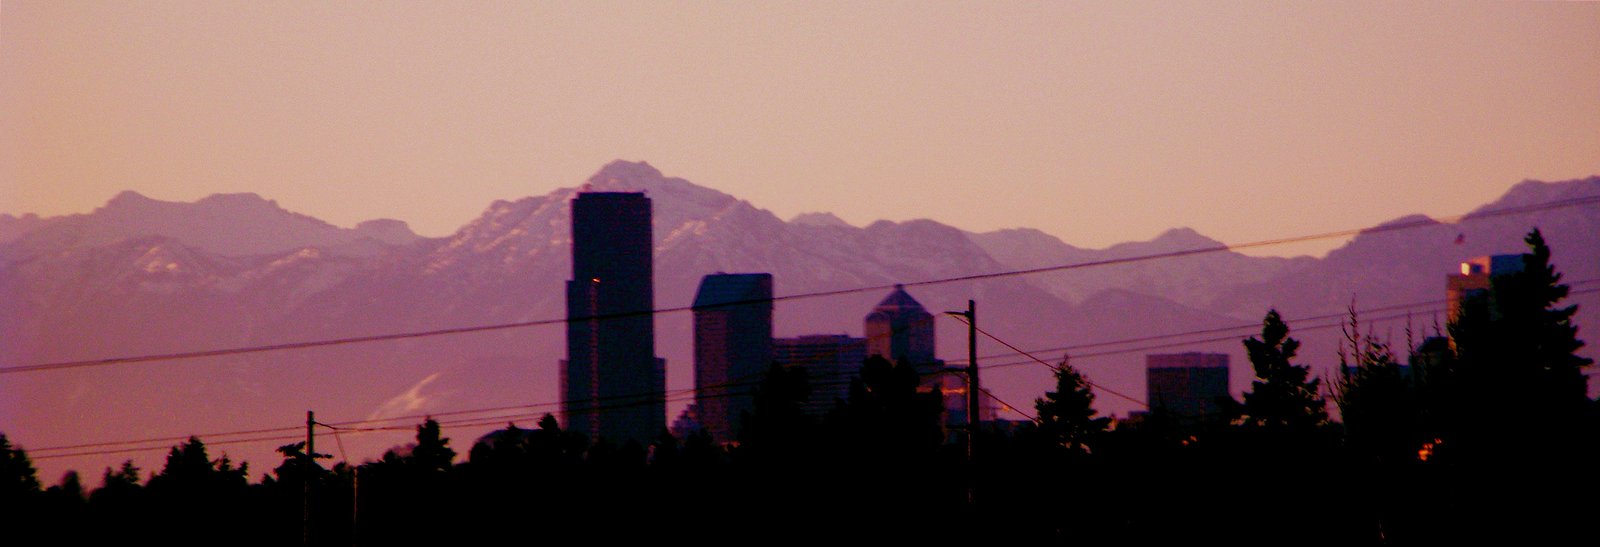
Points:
(1067, 415)
(19, 486)
(432, 451)
(18, 478)
(1515, 387)
(1283, 396)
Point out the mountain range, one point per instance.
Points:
(140, 277)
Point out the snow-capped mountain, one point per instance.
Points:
(142, 276)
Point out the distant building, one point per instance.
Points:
(1187, 386)
(951, 384)
(687, 423)
(901, 330)
(829, 362)
(732, 348)
(613, 386)
(1475, 281)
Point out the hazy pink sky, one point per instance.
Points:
(1097, 122)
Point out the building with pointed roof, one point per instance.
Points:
(900, 330)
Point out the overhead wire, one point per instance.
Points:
(677, 395)
(673, 397)
(1030, 356)
(668, 396)
(985, 391)
(1298, 325)
(1427, 222)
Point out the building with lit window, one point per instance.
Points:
(1474, 282)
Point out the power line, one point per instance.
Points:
(684, 394)
(1298, 327)
(748, 381)
(668, 395)
(1416, 306)
(351, 427)
(985, 391)
(674, 397)
(373, 425)
(1557, 204)
(991, 336)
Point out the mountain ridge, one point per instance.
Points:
(86, 299)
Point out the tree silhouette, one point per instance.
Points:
(1514, 416)
(432, 451)
(1283, 430)
(18, 479)
(1536, 339)
(1067, 415)
(63, 505)
(189, 468)
(777, 429)
(124, 480)
(296, 464)
(119, 508)
(887, 418)
(20, 496)
(407, 490)
(1379, 402)
(1282, 397)
(192, 492)
(1516, 386)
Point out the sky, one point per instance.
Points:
(1097, 122)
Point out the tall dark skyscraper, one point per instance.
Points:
(613, 385)
(732, 347)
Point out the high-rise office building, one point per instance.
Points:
(732, 348)
(1476, 280)
(613, 386)
(900, 330)
(829, 361)
(1188, 386)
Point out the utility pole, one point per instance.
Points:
(973, 393)
(305, 478)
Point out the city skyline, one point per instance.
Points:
(515, 235)
(1202, 115)
(1096, 124)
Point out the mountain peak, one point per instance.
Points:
(1531, 191)
(1407, 220)
(1184, 238)
(387, 230)
(820, 219)
(242, 199)
(128, 197)
(625, 175)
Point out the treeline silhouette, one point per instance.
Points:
(1486, 436)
